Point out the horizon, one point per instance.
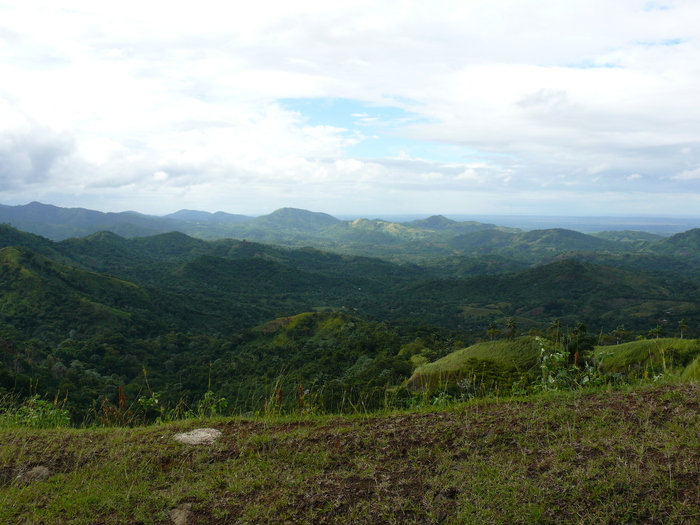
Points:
(662, 225)
(377, 215)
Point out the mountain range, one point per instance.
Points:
(174, 312)
(426, 240)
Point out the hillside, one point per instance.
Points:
(607, 457)
(486, 365)
(487, 289)
(46, 300)
(419, 241)
(686, 244)
(60, 223)
(533, 245)
(567, 289)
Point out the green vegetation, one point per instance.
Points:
(174, 318)
(564, 376)
(648, 357)
(584, 457)
(487, 366)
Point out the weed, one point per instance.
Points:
(34, 412)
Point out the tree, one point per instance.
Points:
(618, 333)
(578, 343)
(492, 331)
(555, 327)
(511, 326)
(682, 326)
(656, 331)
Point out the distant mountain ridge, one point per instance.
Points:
(435, 236)
(205, 216)
(284, 225)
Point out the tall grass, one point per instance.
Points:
(33, 412)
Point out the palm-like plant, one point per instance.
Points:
(578, 342)
(555, 326)
(656, 331)
(618, 333)
(682, 326)
(492, 331)
(511, 326)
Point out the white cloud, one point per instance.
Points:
(100, 98)
(688, 175)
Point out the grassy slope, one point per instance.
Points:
(647, 355)
(496, 358)
(607, 457)
(510, 357)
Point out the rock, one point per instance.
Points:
(182, 515)
(39, 473)
(199, 436)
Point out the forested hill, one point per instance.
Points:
(178, 315)
(199, 280)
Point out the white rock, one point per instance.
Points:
(182, 515)
(199, 436)
(36, 474)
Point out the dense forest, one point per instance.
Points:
(140, 327)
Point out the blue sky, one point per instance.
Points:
(520, 107)
(379, 129)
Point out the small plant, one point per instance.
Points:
(557, 373)
(36, 413)
(210, 405)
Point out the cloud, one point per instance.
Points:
(31, 156)
(104, 99)
(687, 175)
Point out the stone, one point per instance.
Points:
(199, 436)
(181, 515)
(39, 473)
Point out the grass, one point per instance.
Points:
(501, 360)
(628, 456)
(649, 355)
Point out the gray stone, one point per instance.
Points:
(182, 515)
(39, 473)
(199, 436)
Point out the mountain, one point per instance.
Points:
(631, 236)
(204, 216)
(47, 300)
(531, 245)
(369, 232)
(436, 222)
(60, 223)
(293, 219)
(440, 223)
(568, 289)
(686, 244)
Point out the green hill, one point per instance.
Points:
(647, 357)
(686, 244)
(629, 236)
(293, 219)
(47, 300)
(567, 289)
(492, 365)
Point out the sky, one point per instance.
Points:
(498, 107)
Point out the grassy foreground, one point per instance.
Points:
(600, 457)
